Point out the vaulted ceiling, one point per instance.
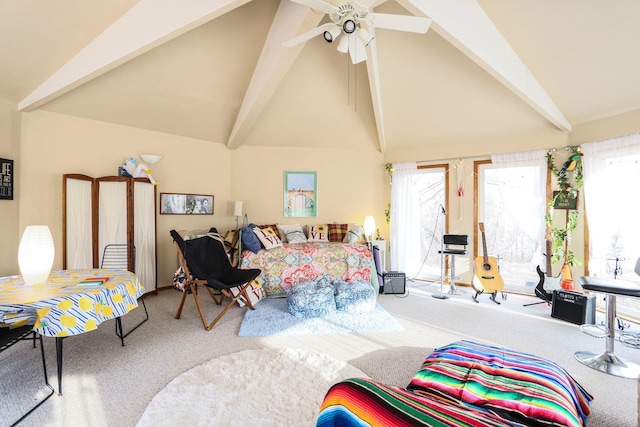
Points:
(217, 70)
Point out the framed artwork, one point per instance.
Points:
(300, 194)
(6, 179)
(186, 204)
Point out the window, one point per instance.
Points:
(611, 171)
(511, 204)
(430, 189)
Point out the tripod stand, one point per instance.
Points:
(441, 295)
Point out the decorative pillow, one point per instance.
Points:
(292, 233)
(268, 237)
(255, 291)
(354, 234)
(249, 240)
(518, 386)
(318, 233)
(274, 227)
(337, 232)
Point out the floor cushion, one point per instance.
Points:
(311, 299)
(354, 297)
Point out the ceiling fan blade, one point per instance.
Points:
(357, 50)
(414, 24)
(309, 34)
(316, 4)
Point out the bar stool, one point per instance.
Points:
(608, 362)
(459, 243)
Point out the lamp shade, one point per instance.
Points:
(237, 211)
(35, 254)
(369, 226)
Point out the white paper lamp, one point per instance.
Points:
(35, 254)
(237, 211)
(369, 227)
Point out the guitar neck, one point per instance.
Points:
(484, 244)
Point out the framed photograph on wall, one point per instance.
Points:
(6, 179)
(186, 204)
(300, 194)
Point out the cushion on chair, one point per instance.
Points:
(311, 299)
(354, 297)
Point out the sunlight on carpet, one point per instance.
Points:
(246, 388)
(271, 318)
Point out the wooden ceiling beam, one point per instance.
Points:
(146, 25)
(465, 25)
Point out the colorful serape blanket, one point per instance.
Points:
(292, 263)
(464, 384)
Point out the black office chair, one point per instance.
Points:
(205, 262)
(116, 257)
(10, 337)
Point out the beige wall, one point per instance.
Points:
(351, 183)
(54, 144)
(9, 149)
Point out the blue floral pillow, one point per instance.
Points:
(249, 240)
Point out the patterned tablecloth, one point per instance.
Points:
(60, 307)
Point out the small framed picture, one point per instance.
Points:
(186, 204)
(300, 194)
(6, 179)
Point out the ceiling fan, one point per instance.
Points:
(348, 18)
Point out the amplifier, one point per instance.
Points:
(574, 307)
(394, 282)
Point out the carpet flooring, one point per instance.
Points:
(107, 385)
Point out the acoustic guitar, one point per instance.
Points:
(486, 277)
(547, 283)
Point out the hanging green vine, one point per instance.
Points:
(569, 179)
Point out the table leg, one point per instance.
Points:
(59, 360)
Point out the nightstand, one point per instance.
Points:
(382, 246)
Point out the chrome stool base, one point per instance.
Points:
(609, 363)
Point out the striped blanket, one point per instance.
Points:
(464, 384)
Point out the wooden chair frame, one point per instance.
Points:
(191, 286)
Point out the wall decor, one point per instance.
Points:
(6, 179)
(186, 204)
(300, 194)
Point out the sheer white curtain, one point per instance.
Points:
(524, 200)
(611, 170)
(405, 222)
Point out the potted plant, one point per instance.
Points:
(569, 181)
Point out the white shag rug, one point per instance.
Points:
(267, 387)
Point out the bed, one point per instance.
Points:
(464, 384)
(285, 266)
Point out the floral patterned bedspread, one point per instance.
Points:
(286, 266)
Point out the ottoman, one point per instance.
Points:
(311, 299)
(354, 297)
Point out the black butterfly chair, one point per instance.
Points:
(205, 262)
(9, 337)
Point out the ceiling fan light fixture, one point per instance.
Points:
(349, 25)
(343, 44)
(331, 35)
(365, 36)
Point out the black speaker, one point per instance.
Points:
(394, 282)
(574, 307)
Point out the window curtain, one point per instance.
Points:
(611, 172)
(404, 221)
(525, 206)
